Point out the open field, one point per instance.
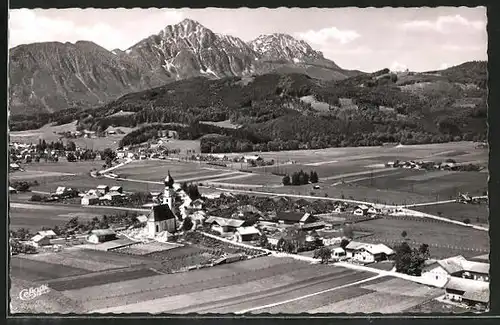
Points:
(49, 134)
(34, 216)
(386, 295)
(444, 239)
(222, 124)
(236, 286)
(32, 270)
(90, 260)
(476, 213)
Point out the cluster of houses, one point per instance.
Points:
(21, 152)
(465, 282)
(427, 165)
(102, 193)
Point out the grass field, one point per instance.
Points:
(38, 271)
(443, 239)
(476, 213)
(90, 260)
(35, 216)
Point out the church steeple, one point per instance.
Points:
(169, 181)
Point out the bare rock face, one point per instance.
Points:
(47, 77)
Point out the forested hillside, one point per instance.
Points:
(448, 105)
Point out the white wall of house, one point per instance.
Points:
(93, 239)
(436, 275)
(453, 296)
(363, 256)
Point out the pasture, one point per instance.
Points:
(35, 216)
(444, 239)
(476, 213)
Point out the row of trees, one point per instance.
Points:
(301, 178)
(191, 190)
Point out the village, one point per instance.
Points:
(324, 234)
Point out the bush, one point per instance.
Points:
(467, 221)
(36, 198)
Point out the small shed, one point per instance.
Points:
(103, 189)
(101, 235)
(338, 253)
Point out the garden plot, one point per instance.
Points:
(147, 248)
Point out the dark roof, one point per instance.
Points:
(289, 216)
(160, 212)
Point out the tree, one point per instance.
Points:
(324, 253)
(103, 223)
(70, 146)
(36, 198)
(404, 234)
(344, 243)
(314, 177)
(410, 261)
(286, 180)
(71, 157)
(263, 241)
(193, 192)
(466, 221)
(424, 250)
(187, 224)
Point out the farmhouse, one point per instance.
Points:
(39, 240)
(252, 158)
(313, 226)
(90, 200)
(50, 234)
(457, 266)
(161, 218)
(291, 217)
(112, 196)
(361, 210)
(479, 299)
(224, 226)
(14, 167)
(101, 235)
(473, 291)
(246, 233)
(373, 210)
(197, 204)
(61, 190)
(102, 189)
(368, 253)
(117, 189)
(339, 209)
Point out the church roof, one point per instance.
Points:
(160, 212)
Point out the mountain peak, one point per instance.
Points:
(283, 46)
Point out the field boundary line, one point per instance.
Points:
(310, 295)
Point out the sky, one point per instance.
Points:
(367, 39)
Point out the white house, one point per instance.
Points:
(456, 266)
(361, 210)
(373, 210)
(12, 190)
(47, 233)
(252, 158)
(224, 226)
(89, 200)
(368, 253)
(101, 235)
(120, 154)
(112, 196)
(61, 190)
(197, 204)
(339, 209)
(102, 189)
(117, 189)
(39, 240)
(246, 233)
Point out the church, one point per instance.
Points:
(162, 218)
